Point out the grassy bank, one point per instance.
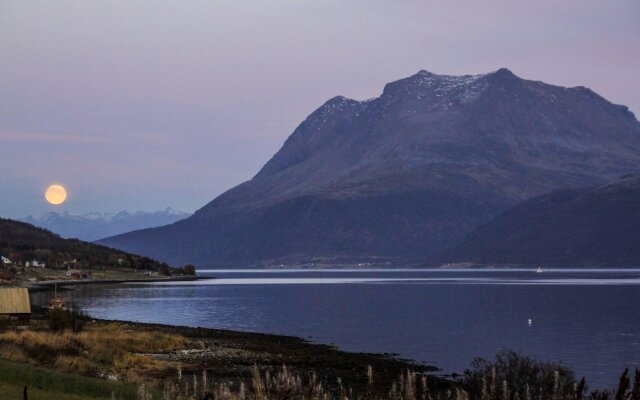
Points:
(47, 384)
(100, 350)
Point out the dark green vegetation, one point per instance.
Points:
(22, 242)
(404, 176)
(46, 384)
(59, 319)
(595, 226)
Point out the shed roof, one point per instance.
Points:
(14, 301)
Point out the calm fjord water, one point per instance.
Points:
(587, 319)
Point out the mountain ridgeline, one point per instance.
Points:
(94, 226)
(404, 176)
(22, 242)
(595, 227)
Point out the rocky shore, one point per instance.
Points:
(230, 356)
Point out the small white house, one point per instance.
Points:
(35, 263)
(5, 260)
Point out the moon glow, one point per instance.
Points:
(55, 194)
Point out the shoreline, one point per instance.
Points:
(45, 286)
(232, 356)
(263, 338)
(247, 338)
(196, 355)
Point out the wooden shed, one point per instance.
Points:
(14, 303)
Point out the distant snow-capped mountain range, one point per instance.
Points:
(97, 225)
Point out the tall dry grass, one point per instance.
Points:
(285, 385)
(109, 349)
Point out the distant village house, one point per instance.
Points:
(36, 264)
(5, 260)
(76, 274)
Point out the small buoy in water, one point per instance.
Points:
(529, 321)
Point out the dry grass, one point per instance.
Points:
(284, 385)
(108, 349)
(134, 341)
(34, 340)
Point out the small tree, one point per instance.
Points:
(165, 269)
(77, 318)
(60, 319)
(189, 269)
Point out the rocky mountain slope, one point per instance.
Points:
(596, 226)
(94, 226)
(405, 175)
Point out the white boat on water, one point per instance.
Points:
(539, 270)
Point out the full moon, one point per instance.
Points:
(55, 194)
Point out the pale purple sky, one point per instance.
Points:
(140, 105)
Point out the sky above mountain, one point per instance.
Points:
(140, 105)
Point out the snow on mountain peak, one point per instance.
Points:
(96, 225)
(427, 86)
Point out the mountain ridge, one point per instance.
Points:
(592, 226)
(95, 225)
(418, 167)
(22, 242)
